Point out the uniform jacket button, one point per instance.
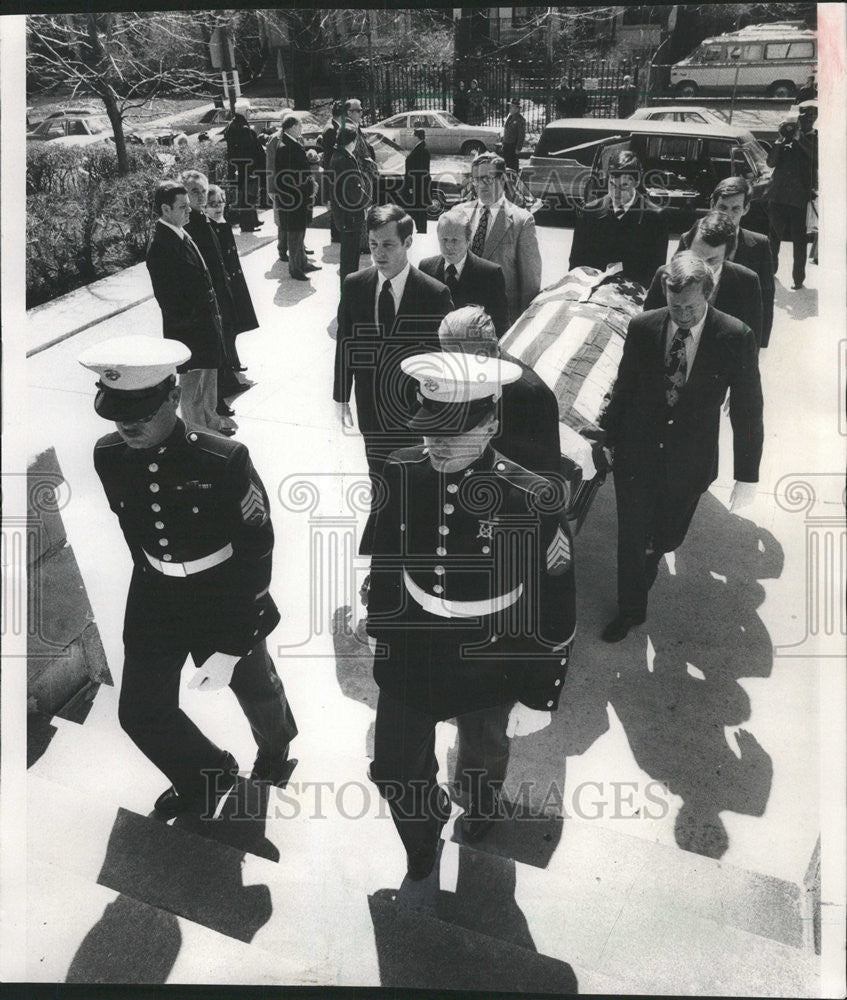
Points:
(448, 508)
(443, 530)
(155, 507)
(550, 704)
(438, 589)
(159, 525)
(192, 437)
(195, 510)
(500, 467)
(154, 487)
(441, 551)
(163, 542)
(558, 682)
(167, 557)
(439, 571)
(486, 549)
(452, 488)
(153, 467)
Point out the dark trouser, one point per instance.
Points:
(788, 222)
(281, 236)
(149, 713)
(350, 239)
(296, 254)
(246, 200)
(404, 768)
(653, 518)
(510, 154)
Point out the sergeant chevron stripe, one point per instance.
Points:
(559, 554)
(253, 505)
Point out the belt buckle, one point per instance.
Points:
(178, 569)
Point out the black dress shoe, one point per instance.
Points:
(298, 277)
(307, 250)
(274, 771)
(170, 803)
(240, 368)
(619, 627)
(284, 258)
(474, 828)
(419, 864)
(223, 410)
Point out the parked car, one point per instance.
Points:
(444, 132)
(762, 122)
(74, 129)
(773, 59)
(683, 161)
(266, 122)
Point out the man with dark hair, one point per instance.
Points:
(471, 279)
(472, 603)
(514, 134)
(349, 200)
(293, 189)
(736, 289)
(623, 226)
(365, 157)
(752, 250)
(185, 293)
(417, 193)
(195, 516)
(794, 158)
(387, 312)
(663, 421)
(328, 141)
(503, 232)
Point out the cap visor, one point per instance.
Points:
(112, 405)
(449, 420)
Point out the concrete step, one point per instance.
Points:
(82, 932)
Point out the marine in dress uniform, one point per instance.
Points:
(195, 516)
(471, 602)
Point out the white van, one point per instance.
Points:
(771, 59)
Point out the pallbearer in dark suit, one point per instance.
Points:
(663, 422)
(472, 604)
(751, 250)
(350, 200)
(387, 312)
(196, 518)
(293, 190)
(183, 288)
(472, 280)
(328, 142)
(529, 414)
(417, 183)
(623, 225)
(737, 291)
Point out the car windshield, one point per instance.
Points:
(381, 143)
(755, 153)
(450, 119)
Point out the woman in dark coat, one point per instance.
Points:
(245, 156)
(245, 314)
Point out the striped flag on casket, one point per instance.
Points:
(572, 336)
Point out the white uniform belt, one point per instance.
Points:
(193, 565)
(444, 608)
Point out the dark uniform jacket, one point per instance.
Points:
(292, 184)
(491, 530)
(751, 250)
(350, 192)
(481, 283)
(650, 440)
(183, 288)
(201, 230)
(191, 496)
(514, 130)
(245, 314)
(795, 169)
(639, 240)
(738, 294)
(370, 359)
(417, 183)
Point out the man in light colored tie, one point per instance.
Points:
(503, 233)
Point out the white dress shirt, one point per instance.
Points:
(621, 210)
(493, 209)
(459, 267)
(398, 286)
(692, 342)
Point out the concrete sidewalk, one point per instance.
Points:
(685, 759)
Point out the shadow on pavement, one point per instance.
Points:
(798, 305)
(289, 292)
(130, 943)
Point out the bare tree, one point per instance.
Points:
(125, 59)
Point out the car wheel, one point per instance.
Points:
(472, 148)
(783, 88)
(688, 88)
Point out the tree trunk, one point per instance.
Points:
(117, 121)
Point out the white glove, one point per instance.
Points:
(524, 720)
(215, 673)
(344, 414)
(743, 494)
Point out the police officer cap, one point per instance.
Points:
(135, 374)
(456, 389)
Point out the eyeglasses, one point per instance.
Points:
(487, 179)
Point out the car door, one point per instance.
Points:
(438, 138)
(397, 130)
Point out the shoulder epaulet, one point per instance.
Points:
(214, 444)
(406, 456)
(109, 441)
(517, 475)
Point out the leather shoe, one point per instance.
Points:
(419, 864)
(298, 277)
(170, 803)
(284, 258)
(619, 627)
(224, 411)
(307, 250)
(274, 771)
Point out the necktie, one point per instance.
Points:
(385, 309)
(478, 244)
(676, 366)
(194, 251)
(450, 278)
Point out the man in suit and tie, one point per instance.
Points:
(737, 290)
(328, 141)
(503, 232)
(417, 182)
(387, 312)
(183, 288)
(350, 200)
(751, 250)
(663, 421)
(623, 226)
(294, 189)
(471, 280)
